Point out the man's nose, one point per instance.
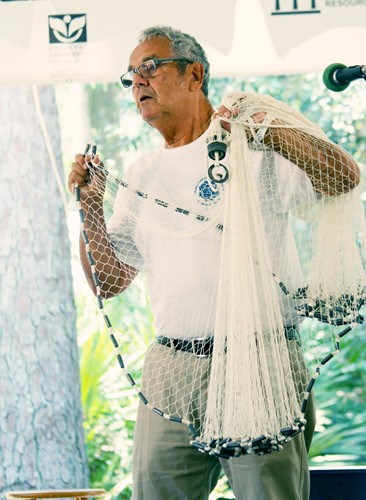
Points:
(139, 81)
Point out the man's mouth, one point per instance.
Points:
(144, 98)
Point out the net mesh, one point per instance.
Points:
(240, 235)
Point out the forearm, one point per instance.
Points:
(97, 255)
(331, 170)
(113, 275)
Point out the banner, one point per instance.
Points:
(45, 42)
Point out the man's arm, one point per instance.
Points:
(331, 170)
(114, 276)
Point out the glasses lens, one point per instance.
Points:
(127, 79)
(147, 68)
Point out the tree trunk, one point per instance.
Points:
(41, 435)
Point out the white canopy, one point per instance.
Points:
(90, 40)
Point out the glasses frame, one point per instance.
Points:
(156, 63)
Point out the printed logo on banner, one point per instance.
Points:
(67, 28)
(300, 29)
(283, 7)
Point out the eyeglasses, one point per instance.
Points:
(147, 69)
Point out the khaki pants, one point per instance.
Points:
(166, 467)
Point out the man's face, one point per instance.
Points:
(161, 96)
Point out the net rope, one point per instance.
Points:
(237, 248)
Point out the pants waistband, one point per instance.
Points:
(203, 347)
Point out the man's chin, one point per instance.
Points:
(147, 117)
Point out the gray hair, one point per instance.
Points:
(183, 45)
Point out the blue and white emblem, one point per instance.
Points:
(208, 192)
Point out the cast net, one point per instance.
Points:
(241, 236)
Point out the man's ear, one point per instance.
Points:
(196, 76)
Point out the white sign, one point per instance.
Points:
(90, 40)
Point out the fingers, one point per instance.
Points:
(222, 112)
(95, 165)
(80, 160)
(79, 174)
(226, 115)
(88, 171)
(259, 117)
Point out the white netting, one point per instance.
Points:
(241, 259)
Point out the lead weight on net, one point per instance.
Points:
(198, 445)
(220, 175)
(232, 445)
(258, 440)
(192, 430)
(216, 147)
(173, 418)
(345, 331)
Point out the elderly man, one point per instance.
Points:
(168, 73)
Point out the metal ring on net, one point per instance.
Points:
(216, 150)
(227, 447)
(218, 173)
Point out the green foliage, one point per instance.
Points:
(340, 391)
(109, 402)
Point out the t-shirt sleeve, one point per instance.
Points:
(295, 186)
(282, 185)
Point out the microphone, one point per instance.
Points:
(337, 76)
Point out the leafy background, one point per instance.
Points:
(109, 403)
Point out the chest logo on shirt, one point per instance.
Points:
(208, 192)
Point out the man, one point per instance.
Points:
(169, 74)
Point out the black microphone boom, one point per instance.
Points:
(337, 76)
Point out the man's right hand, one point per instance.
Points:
(88, 177)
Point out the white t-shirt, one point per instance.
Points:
(168, 222)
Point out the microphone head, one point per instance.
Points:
(330, 79)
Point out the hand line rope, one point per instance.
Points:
(46, 137)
